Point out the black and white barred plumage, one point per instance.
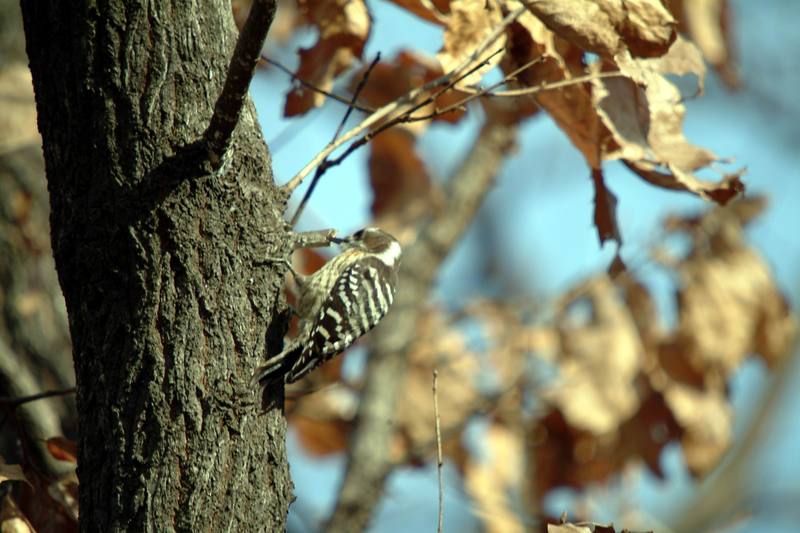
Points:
(340, 302)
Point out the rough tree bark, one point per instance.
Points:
(169, 307)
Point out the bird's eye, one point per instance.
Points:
(359, 234)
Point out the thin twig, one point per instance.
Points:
(558, 84)
(313, 239)
(16, 401)
(361, 83)
(490, 92)
(401, 102)
(240, 73)
(439, 462)
(323, 166)
(312, 87)
(430, 99)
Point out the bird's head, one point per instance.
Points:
(373, 241)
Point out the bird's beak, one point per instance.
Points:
(337, 240)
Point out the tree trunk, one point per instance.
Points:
(169, 308)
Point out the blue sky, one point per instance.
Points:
(541, 208)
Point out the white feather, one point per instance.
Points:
(391, 254)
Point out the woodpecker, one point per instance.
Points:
(337, 304)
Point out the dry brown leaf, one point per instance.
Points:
(543, 341)
(392, 79)
(400, 182)
(284, 24)
(490, 479)
(537, 33)
(468, 24)
(562, 455)
(337, 17)
(321, 437)
(676, 362)
(644, 113)
(620, 358)
(708, 24)
(707, 419)
(343, 29)
(719, 307)
(729, 306)
(431, 10)
(637, 117)
(241, 10)
(468, 382)
(646, 434)
(604, 415)
(319, 66)
(663, 129)
(605, 210)
(607, 27)
(599, 362)
(571, 107)
(643, 311)
(63, 449)
(323, 420)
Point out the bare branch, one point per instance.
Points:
(240, 73)
(313, 239)
(550, 86)
(489, 92)
(369, 462)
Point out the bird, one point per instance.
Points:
(337, 304)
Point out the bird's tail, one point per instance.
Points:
(277, 366)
